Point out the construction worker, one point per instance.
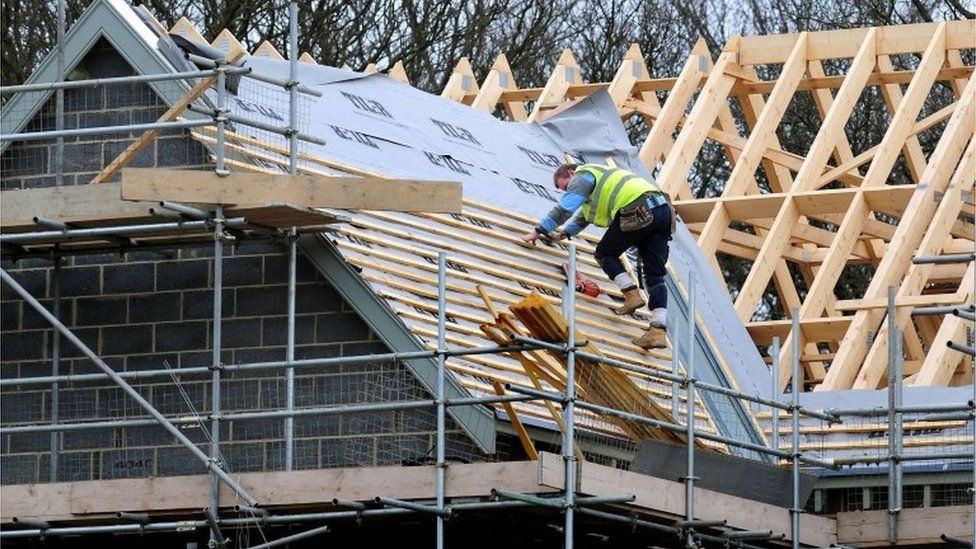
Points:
(636, 213)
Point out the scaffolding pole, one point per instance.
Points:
(292, 87)
(59, 101)
(690, 408)
(98, 82)
(216, 363)
(894, 419)
(55, 365)
(828, 416)
(569, 409)
(441, 465)
(795, 431)
(290, 350)
(271, 414)
(774, 394)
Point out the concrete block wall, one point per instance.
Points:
(142, 311)
(147, 310)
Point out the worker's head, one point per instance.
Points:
(562, 175)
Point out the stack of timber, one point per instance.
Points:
(598, 383)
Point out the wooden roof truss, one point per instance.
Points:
(825, 208)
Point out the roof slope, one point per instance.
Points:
(374, 125)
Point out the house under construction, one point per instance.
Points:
(251, 301)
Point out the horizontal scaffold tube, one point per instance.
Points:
(557, 397)
(98, 82)
(205, 370)
(245, 416)
(665, 376)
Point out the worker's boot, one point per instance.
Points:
(653, 338)
(633, 300)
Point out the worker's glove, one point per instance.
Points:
(558, 234)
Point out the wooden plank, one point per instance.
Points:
(926, 300)
(517, 424)
(632, 69)
(205, 187)
(938, 366)
(894, 99)
(815, 329)
(868, 155)
(185, 28)
(887, 199)
(229, 44)
(72, 501)
(147, 137)
(399, 73)
(710, 101)
(67, 204)
(822, 82)
(915, 526)
(266, 49)
(757, 50)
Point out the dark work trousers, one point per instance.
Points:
(652, 245)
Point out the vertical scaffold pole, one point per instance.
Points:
(675, 386)
(59, 99)
(293, 88)
(774, 438)
(216, 365)
(690, 403)
(441, 404)
(569, 411)
(55, 367)
(290, 351)
(795, 430)
(899, 433)
(221, 117)
(892, 405)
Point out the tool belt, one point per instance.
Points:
(638, 214)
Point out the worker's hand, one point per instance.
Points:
(530, 238)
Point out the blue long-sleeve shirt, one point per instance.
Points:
(579, 188)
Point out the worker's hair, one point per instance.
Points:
(563, 171)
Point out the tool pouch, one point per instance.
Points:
(636, 215)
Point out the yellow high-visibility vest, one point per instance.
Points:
(615, 188)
